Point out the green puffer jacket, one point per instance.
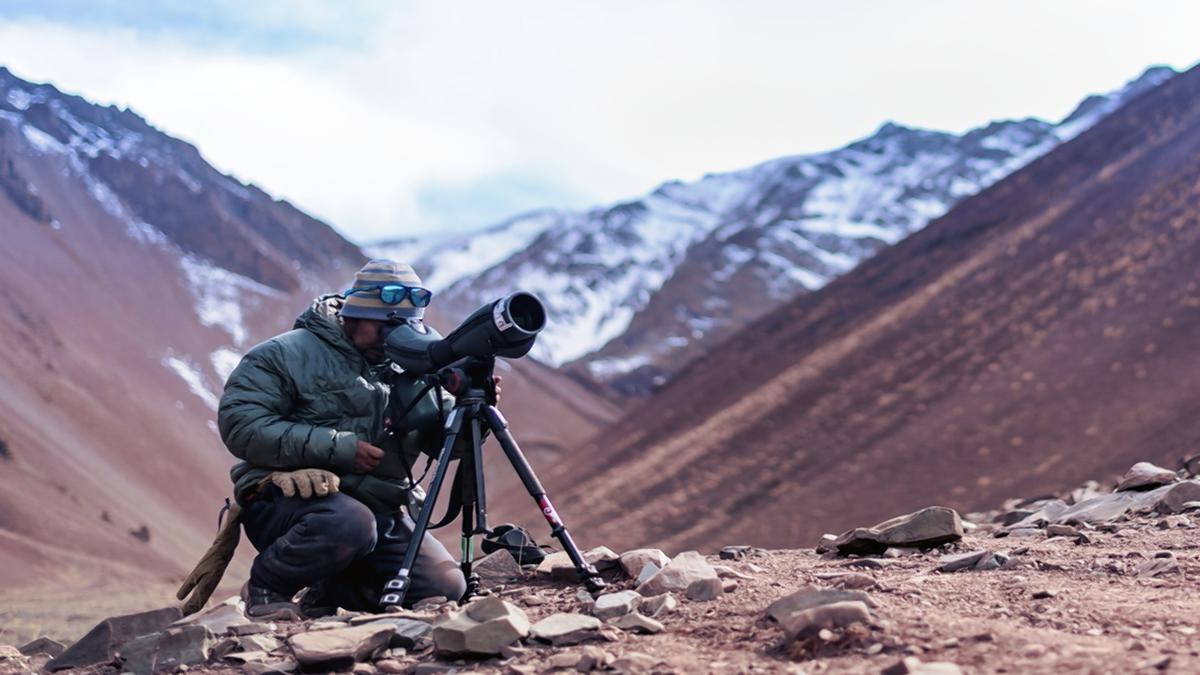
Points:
(305, 398)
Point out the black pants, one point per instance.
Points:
(336, 541)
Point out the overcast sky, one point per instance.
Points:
(390, 119)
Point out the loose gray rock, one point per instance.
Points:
(848, 580)
(408, 632)
(593, 658)
(497, 567)
(980, 561)
(734, 552)
(811, 596)
(634, 662)
(612, 605)
(485, 626)
(703, 590)
(656, 605)
(836, 615)
(637, 623)
(1159, 567)
(929, 527)
(1143, 476)
(648, 572)
(101, 643)
(262, 643)
(566, 629)
(681, 572)
(1056, 530)
(602, 558)
(221, 619)
(726, 572)
(339, 645)
(1176, 497)
(632, 562)
(42, 645)
(911, 665)
(271, 667)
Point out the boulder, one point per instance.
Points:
(1145, 476)
(566, 629)
(556, 559)
(102, 641)
(497, 567)
(633, 561)
(612, 605)
(811, 596)
(929, 527)
(835, 615)
(339, 646)
(703, 590)
(685, 569)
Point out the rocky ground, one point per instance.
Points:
(1107, 587)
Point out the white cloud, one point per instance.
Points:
(603, 100)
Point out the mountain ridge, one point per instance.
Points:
(638, 288)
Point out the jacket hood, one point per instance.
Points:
(321, 319)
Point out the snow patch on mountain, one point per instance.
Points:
(221, 294)
(192, 377)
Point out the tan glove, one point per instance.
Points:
(306, 483)
(205, 577)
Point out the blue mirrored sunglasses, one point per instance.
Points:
(394, 294)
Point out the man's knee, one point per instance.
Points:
(347, 522)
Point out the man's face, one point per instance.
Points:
(367, 336)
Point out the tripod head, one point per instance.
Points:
(469, 378)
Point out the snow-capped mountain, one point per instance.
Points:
(637, 289)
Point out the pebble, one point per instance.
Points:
(1033, 650)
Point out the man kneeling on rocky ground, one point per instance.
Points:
(325, 478)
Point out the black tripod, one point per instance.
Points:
(472, 383)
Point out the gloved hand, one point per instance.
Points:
(306, 483)
(207, 574)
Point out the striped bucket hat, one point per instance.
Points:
(380, 281)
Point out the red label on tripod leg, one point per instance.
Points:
(549, 512)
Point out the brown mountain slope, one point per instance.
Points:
(1040, 333)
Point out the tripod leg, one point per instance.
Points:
(395, 589)
(499, 426)
(474, 513)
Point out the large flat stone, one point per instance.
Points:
(102, 641)
(339, 646)
(612, 605)
(566, 629)
(929, 527)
